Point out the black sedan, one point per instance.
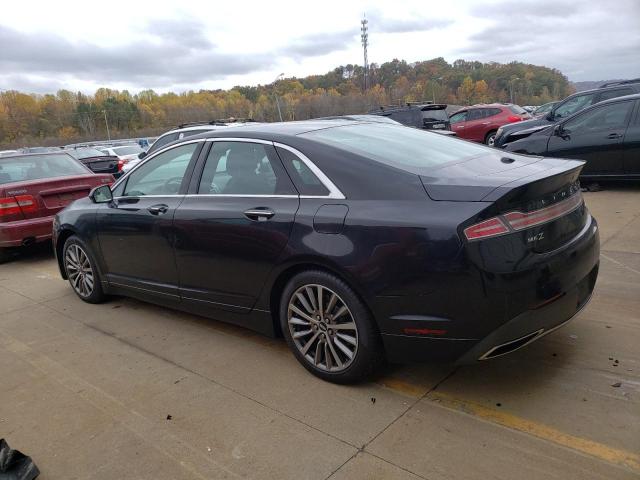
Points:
(606, 135)
(357, 241)
(97, 161)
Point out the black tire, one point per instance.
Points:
(73, 243)
(5, 255)
(369, 353)
(490, 138)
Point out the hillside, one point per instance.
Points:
(67, 116)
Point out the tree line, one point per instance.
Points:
(65, 117)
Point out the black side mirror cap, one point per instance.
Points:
(141, 155)
(101, 194)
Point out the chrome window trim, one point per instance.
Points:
(334, 192)
(151, 157)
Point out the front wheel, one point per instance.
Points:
(81, 271)
(329, 329)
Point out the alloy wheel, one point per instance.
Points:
(322, 328)
(491, 140)
(79, 270)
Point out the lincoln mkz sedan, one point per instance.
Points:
(356, 241)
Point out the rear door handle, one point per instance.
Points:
(259, 214)
(159, 209)
(613, 136)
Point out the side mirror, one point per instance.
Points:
(551, 116)
(101, 194)
(560, 131)
(141, 155)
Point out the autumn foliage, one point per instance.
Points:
(29, 119)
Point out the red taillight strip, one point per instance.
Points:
(519, 220)
(515, 221)
(17, 204)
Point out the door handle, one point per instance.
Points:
(259, 214)
(159, 209)
(613, 136)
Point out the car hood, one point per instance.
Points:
(474, 180)
(525, 125)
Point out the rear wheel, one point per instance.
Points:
(329, 329)
(81, 271)
(490, 138)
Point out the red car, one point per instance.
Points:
(481, 122)
(33, 188)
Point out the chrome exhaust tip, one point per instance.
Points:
(511, 346)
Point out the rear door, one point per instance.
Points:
(136, 229)
(234, 225)
(595, 136)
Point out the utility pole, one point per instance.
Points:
(364, 37)
(513, 80)
(275, 94)
(107, 124)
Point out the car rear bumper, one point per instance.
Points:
(21, 232)
(576, 271)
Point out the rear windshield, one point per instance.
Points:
(128, 150)
(80, 153)
(398, 146)
(517, 109)
(35, 167)
(435, 115)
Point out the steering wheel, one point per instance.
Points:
(172, 185)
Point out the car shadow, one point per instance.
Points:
(31, 253)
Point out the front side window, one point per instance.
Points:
(458, 117)
(573, 105)
(607, 117)
(161, 175)
(243, 168)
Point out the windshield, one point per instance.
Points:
(80, 153)
(128, 150)
(35, 167)
(517, 109)
(398, 146)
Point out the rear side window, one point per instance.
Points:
(305, 180)
(474, 114)
(398, 146)
(615, 93)
(162, 141)
(611, 116)
(36, 167)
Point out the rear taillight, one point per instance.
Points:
(516, 221)
(514, 118)
(121, 163)
(12, 206)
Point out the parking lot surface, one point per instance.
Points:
(130, 390)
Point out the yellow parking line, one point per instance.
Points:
(588, 447)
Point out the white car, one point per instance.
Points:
(125, 154)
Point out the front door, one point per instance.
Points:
(596, 136)
(136, 229)
(458, 123)
(233, 227)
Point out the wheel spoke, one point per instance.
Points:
(347, 338)
(311, 298)
(316, 357)
(305, 303)
(298, 321)
(307, 345)
(331, 304)
(321, 312)
(344, 348)
(336, 357)
(302, 333)
(341, 311)
(295, 309)
(327, 356)
(344, 326)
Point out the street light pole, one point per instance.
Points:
(513, 80)
(107, 124)
(433, 89)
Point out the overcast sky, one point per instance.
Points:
(184, 45)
